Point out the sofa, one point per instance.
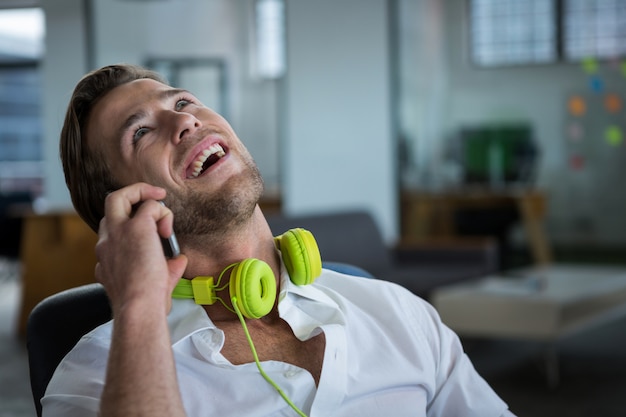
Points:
(353, 237)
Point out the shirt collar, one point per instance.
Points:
(186, 318)
(307, 308)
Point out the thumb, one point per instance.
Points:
(177, 267)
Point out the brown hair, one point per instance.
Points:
(87, 173)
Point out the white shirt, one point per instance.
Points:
(387, 353)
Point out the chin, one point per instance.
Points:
(232, 206)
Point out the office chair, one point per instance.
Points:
(58, 322)
(55, 325)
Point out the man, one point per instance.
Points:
(342, 346)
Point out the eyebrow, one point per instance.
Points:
(135, 117)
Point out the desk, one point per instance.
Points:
(539, 303)
(427, 215)
(57, 253)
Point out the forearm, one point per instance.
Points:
(141, 374)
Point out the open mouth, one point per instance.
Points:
(205, 160)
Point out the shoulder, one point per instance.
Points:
(372, 296)
(367, 289)
(388, 311)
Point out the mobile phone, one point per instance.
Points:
(170, 244)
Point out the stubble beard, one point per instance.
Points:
(199, 215)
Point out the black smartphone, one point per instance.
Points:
(170, 244)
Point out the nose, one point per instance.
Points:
(185, 124)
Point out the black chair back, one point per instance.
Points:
(55, 325)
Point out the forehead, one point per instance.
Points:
(110, 113)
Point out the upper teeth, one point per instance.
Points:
(215, 149)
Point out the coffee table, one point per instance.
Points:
(541, 304)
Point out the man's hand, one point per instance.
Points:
(131, 263)
(139, 281)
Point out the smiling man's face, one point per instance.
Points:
(150, 132)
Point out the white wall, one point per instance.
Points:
(339, 151)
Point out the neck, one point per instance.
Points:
(211, 254)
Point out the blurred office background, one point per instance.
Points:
(371, 104)
(349, 104)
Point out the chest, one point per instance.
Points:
(275, 342)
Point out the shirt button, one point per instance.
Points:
(290, 374)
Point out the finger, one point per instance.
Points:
(165, 222)
(121, 202)
(159, 213)
(177, 268)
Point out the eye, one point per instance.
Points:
(139, 133)
(181, 103)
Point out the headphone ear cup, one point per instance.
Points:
(300, 255)
(253, 284)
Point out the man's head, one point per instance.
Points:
(125, 125)
(87, 173)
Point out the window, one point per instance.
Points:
(513, 32)
(270, 38)
(21, 35)
(21, 47)
(594, 28)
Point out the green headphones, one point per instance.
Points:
(252, 284)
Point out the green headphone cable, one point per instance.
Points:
(258, 363)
